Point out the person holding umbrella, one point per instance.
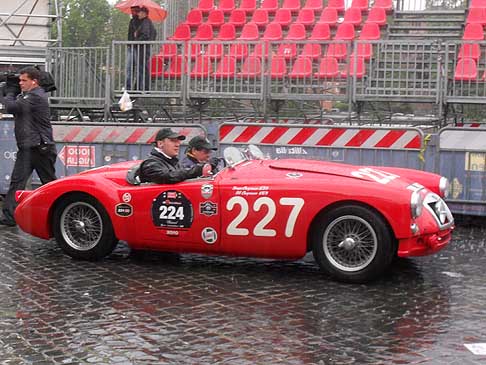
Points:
(132, 27)
(145, 32)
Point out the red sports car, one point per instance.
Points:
(355, 219)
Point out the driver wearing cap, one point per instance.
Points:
(198, 151)
(162, 166)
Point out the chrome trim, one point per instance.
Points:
(439, 209)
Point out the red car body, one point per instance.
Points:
(258, 208)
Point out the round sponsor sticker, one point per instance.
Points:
(209, 235)
(126, 197)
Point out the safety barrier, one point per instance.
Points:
(462, 159)
(81, 146)
(357, 145)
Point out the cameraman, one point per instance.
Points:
(33, 133)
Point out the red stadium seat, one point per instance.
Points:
(466, 70)
(283, 17)
(312, 50)
(364, 50)
(353, 69)
(292, 5)
(296, 32)
(337, 50)
(182, 33)
(156, 66)
(287, 51)
(260, 17)
(378, 16)
(226, 68)
(345, 32)
(315, 5)
(226, 6)
(477, 4)
(205, 5)
(273, 32)
(248, 6)
(270, 6)
(249, 32)
(238, 50)
(320, 32)
(237, 18)
(370, 31)
(176, 66)
(251, 67)
(215, 18)
(387, 5)
(204, 33)
(260, 49)
(302, 68)
(476, 16)
(203, 67)
(329, 16)
(306, 17)
(470, 50)
(328, 68)
(194, 18)
(336, 4)
(360, 4)
(473, 32)
(168, 50)
(278, 68)
(227, 32)
(215, 50)
(352, 16)
(193, 50)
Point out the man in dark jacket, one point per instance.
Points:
(133, 25)
(145, 32)
(162, 166)
(199, 151)
(33, 133)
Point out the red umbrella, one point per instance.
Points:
(156, 13)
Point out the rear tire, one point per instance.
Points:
(353, 244)
(83, 229)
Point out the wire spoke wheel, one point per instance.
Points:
(350, 243)
(81, 226)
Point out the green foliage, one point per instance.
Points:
(86, 23)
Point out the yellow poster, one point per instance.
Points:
(475, 161)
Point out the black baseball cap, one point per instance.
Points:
(200, 143)
(168, 133)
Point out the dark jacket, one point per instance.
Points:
(188, 162)
(132, 27)
(145, 31)
(32, 117)
(159, 169)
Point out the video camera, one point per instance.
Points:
(11, 78)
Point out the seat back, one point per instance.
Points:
(250, 32)
(345, 32)
(273, 32)
(466, 70)
(260, 17)
(336, 4)
(226, 67)
(328, 68)
(321, 32)
(292, 5)
(312, 50)
(370, 31)
(182, 33)
(283, 17)
(473, 32)
(248, 5)
(227, 6)
(329, 16)
(315, 5)
(356, 66)
(270, 6)
(470, 50)
(205, 5)
(377, 15)
(296, 32)
(352, 16)
(237, 18)
(302, 68)
(306, 17)
(202, 66)
(360, 4)
(204, 33)
(227, 32)
(251, 67)
(194, 17)
(215, 18)
(238, 50)
(278, 67)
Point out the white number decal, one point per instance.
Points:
(381, 177)
(297, 204)
(233, 226)
(171, 212)
(260, 230)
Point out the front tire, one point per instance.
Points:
(353, 244)
(83, 229)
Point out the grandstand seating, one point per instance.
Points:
(227, 32)
(292, 5)
(226, 67)
(237, 18)
(296, 32)
(302, 68)
(477, 4)
(469, 50)
(283, 17)
(273, 32)
(328, 68)
(329, 16)
(202, 67)
(182, 33)
(227, 6)
(250, 32)
(362, 5)
(306, 17)
(320, 32)
(248, 6)
(336, 4)
(476, 16)
(260, 17)
(387, 5)
(278, 68)
(377, 15)
(352, 16)
(194, 18)
(204, 33)
(315, 5)
(205, 5)
(473, 32)
(252, 67)
(270, 6)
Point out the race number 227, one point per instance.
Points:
(260, 228)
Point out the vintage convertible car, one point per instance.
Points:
(355, 219)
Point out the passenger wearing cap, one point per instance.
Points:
(162, 166)
(198, 151)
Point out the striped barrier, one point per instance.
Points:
(358, 145)
(462, 159)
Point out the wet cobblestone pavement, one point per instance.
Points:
(167, 309)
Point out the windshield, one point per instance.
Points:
(234, 155)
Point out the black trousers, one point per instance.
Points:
(42, 160)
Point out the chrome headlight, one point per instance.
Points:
(444, 187)
(416, 204)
